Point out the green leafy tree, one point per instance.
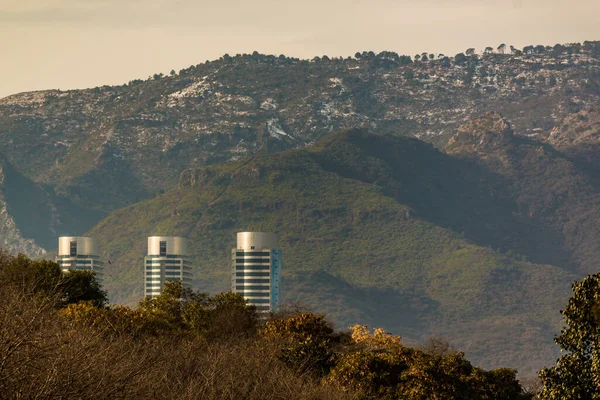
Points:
(502, 48)
(558, 49)
(576, 375)
(405, 60)
(226, 314)
(304, 341)
(78, 286)
(43, 277)
(470, 51)
(180, 309)
(169, 305)
(460, 58)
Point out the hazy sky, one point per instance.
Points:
(69, 44)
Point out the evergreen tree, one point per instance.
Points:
(576, 375)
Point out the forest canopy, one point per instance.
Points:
(59, 338)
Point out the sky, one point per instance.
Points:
(69, 44)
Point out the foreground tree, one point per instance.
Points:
(378, 365)
(44, 278)
(304, 342)
(180, 309)
(576, 375)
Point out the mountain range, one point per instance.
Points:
(453, 197)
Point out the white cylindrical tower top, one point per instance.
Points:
(256, 240)
(162, 245)
(77, 245)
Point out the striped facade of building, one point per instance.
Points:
(167, 260)
(79, 253)
(256, 270)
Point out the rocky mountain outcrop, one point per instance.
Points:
(11, 237)
(577, 130)
(482, 135)
(578, 137)
(32, 215)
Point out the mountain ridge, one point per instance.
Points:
(107, 147)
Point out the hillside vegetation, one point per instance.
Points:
(371, 228)
(104, 148)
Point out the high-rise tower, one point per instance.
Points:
(79, 253)
(167, 260)
(256, 269)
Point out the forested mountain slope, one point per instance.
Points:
(372, 231)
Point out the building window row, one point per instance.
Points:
(184, 258)
(253, 267)
(252, 280)
(259, 301)
(252, 253)
(264, 274)
(255, 294)
(252, 260)
(254, 287)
